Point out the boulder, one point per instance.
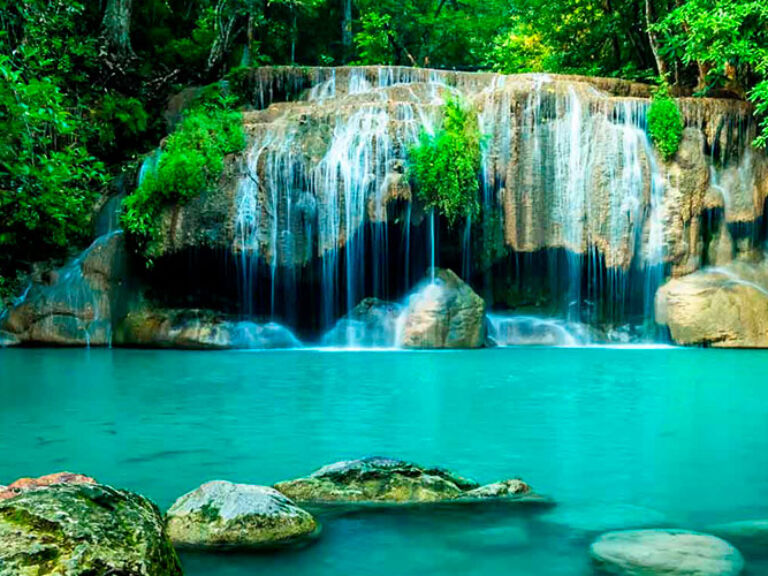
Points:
(444, 313)
(388, 481)
(151, 327)
(724, 307)
(83, 530)
(371, 324)
(28, 484)
(750, 535)
(665, 552)
(223, 515)
(72, 305)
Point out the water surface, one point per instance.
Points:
(620, 438)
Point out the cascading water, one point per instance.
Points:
(574, 203)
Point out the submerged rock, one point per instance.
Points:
(224, 515)
(751, 535)
(371, 324)
(444, 313)
(198, 329)
(28, 484)
(385, 480)
(665, 552)
(724, 307)
(83, 530)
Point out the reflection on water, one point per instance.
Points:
(620, 438)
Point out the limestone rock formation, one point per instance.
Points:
(445, 313)
(389, 481)
(665, 552)
(28, 484)
(152, 327)
(724, 307)
(71, 306)
(83, 530)
(372, 323)
(223, 515)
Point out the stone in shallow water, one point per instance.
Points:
(223, 515)
(750, 535)
(371, 324)
(386, 480)
(444, 313)
(665, 552)
(83, 530)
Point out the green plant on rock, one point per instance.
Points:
(191, 162)
(445, 165)
(665, 123)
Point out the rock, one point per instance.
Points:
(7, 339)
(28, 484)
(71, 306)
(223, 515)
(152, 327)
(84, 530)
(445, 313)
(750, 535)
(371, 324)
(724, 307)
(388, 481)
(665, 552)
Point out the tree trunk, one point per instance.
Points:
(650, 19)
(346, 30)
(116, 28)
(224, 25)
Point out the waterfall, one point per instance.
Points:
(574, 204)
(522, 330)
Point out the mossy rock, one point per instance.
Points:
(380, 480)
(223, 515)
(83, 530)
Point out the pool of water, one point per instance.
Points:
(619, 438)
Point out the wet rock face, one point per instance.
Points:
(222, 515)
(84, 530)
(386, 480)
(725, 307)
(445, 313)
(568, 162)
(150, 327)
(665, 552)
(71, 306)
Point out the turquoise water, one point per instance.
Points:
(620, 438)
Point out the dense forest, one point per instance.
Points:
(84, 84)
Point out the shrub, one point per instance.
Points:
(190, 163)
(445, 165)
(665, 123)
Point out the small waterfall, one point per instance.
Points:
(520, 330)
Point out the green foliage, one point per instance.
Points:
(665, 123)
(373, 42)
(445, 165)
(190, 163)
(49, 179)
(520, 50)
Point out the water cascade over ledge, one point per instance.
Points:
(580, 220)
